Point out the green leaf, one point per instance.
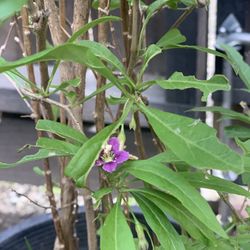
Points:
(41, 154)
(159, 223)
(115, 232)
(161, 177)
(38, 171)
(240, 67)
(9, 7)
(171, 206)
(102, 52)
(101, 192)
(166, 157)
(79, 53)
(91, 25)
(85, 158)
(226, 113)
(172, 37)
(61, 130)
(57, 145)
(237, 131)
(179, 81)
(199, 48)
(245, 146)
(62, 86)
(189, 2)
(200, 180)
(192, 141)
(149, 54)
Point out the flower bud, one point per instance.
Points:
(142, 242)
(122, 137)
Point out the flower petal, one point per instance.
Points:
(114, 142)
(121, 156)
(110, 166)
(99, 162)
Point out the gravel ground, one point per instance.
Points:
(15, 207)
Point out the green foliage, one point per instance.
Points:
(200, 180)
(240, 67)
(61, 130)
(115, 232)
(163, 178)
(237, 131)
(159, 223)
(179, 81)
(192, 141)
(8, 8)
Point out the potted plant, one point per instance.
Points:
(169, 181)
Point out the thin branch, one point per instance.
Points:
(182, 18)
(52, 102)
(3, 47)
(29, 199)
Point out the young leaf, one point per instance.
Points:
(192, 141)
(115, 232)
(61, 130)
(179, 81)
(172, 37)
(57, 145)
(171, 206)
(240, 67)
(237, 131)
(152, 51)
(91, 25)
(85, 158)
(159, 223)
(200, 180)
(161, 177)
(8, 8)
(41, 154)
(226, 113)
(102, 52)
(245, 146)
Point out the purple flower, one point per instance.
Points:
(111, 156)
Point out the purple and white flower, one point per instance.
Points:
(112, 155)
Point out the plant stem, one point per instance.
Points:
(100, 98)
(182, 18)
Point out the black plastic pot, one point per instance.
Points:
(39, 233)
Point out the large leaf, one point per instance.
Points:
(61, 130)
(159, 223)
(226, 113)
(166, 157)
(237, 131)
(200, 180)
(85, 158)
(192, 141)
(172, 37)
(171, 206)
(57, 145)
(69, 52)
(240, 67)
(115, 232)
(9, 7)
(41, 154)
(161, 177)
(179, 81)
